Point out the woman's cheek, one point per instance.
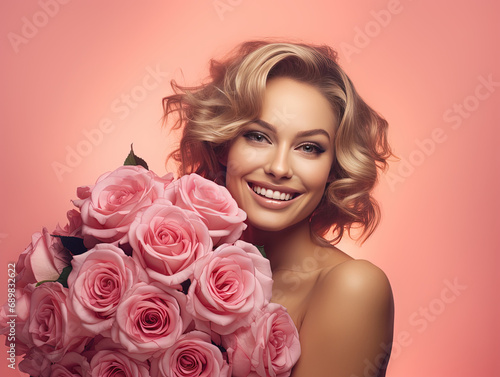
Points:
(314, 172)
(243, 158)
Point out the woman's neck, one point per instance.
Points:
(286, 249)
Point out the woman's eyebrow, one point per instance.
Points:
(316, 131)
(264, 124)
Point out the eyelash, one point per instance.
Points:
(253, 135)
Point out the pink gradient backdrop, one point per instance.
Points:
(440, 209)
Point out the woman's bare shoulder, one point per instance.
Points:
(349, 321)
(355, 276)
(354, 291)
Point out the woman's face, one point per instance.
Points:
(279, 165)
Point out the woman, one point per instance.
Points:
(282, 127)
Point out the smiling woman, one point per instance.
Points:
(282, 127)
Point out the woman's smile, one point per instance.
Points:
(278, 168)
(274, 200)
(276, 193)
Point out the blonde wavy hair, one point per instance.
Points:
(212, 115)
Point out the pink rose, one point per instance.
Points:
(268, 347)
(229, 286)
(150, 318)
(114, 363)
(166, 180)
(35, 363)
(108, 207)
(166, 240)
(71, 365)
(101, 343)
(74, 226)
(22, 312)
(97, 283)
(193, 355)
(213, 203)
(53, 328)
(43, 259)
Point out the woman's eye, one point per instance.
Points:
(311, 148)
(255, 136)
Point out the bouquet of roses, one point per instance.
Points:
(149, 278)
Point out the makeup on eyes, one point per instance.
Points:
(318, 148)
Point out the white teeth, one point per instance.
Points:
(276, 195)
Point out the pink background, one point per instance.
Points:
(415, 62)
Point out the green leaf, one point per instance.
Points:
(63, 277)
(134, 160)
(73, 244)
(261, 249)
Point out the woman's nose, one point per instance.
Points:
(279, 164)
